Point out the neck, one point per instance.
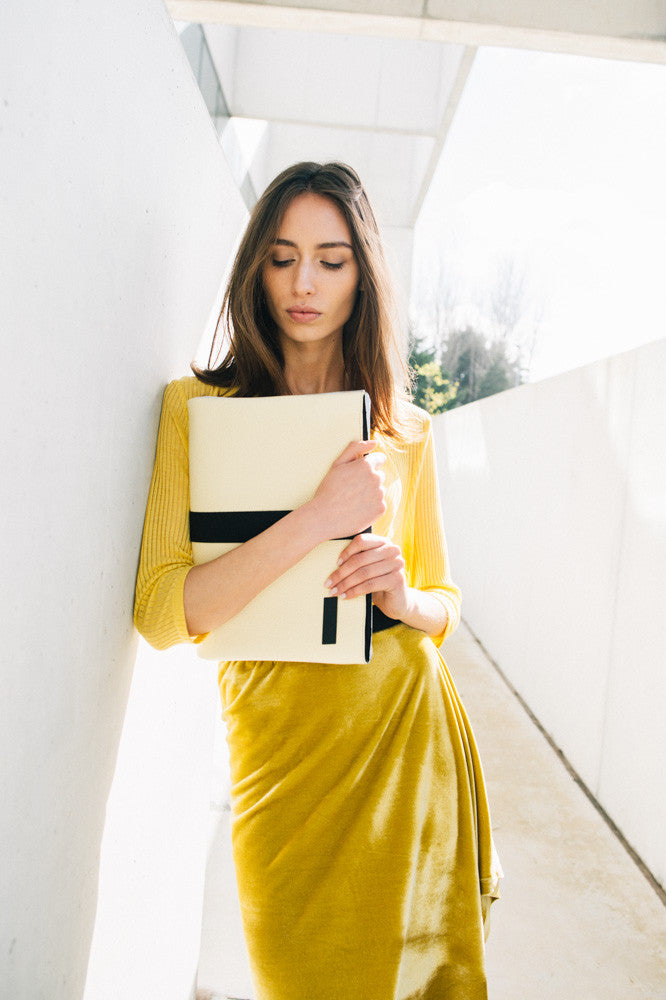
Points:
(310, 368)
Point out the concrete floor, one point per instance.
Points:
(577, 919)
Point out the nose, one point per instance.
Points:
(303, 278)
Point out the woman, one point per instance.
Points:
(360, 829)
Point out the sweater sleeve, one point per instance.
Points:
(430, 566)
(166, 552)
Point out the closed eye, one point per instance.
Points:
(329, 265)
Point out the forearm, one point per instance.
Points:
(217, 590)
(425, 612)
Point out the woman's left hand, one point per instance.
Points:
(372, 564)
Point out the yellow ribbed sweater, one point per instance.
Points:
(413, 520)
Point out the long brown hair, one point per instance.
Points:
(253, 363)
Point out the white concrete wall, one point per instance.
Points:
(554, 499)
(116, 218)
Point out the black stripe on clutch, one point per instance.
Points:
(236, 525)
(380, 621)
(329, 630)
(231, 525)
(366, 416)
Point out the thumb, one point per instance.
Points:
(354, 450)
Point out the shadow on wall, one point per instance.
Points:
(124, 215)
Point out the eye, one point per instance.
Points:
(331, 266)
(282, 263)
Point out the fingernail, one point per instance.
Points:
(341, 596)
(328, 582)
(340, 561)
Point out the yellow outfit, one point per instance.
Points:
(360, 825)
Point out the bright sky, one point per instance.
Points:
(559, 163)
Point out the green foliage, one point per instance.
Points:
(432, 388)
(437, 393)
(469, 368)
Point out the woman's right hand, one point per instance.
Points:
(351, 494)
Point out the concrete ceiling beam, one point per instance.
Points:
(612, 29)
(354, 82)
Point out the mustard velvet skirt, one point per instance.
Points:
(360, 827)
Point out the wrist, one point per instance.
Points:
(412, 605)
(310, 523)
(425, 612)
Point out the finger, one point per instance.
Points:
(362, 581)
(365, 540)
(364, 566)
(359, 570)
(377, 584)
(362, 543)
(354, 450)
(358, 544)
(366, 556)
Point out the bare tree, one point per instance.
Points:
(436, 305)
(507, 298)
(453, 318)
(447, 302)
(515, 317)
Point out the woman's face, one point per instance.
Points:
(311, 277)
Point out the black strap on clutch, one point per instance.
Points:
(236, 525)
(380, 621)
(231, 525)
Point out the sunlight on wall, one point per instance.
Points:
(465, 442)
(559, 549)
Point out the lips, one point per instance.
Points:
(303, 314)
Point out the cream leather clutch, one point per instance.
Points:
(251, 462)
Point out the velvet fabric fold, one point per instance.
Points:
(360, 826)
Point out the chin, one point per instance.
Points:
(299, 335)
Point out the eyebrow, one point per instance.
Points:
(320, 246)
